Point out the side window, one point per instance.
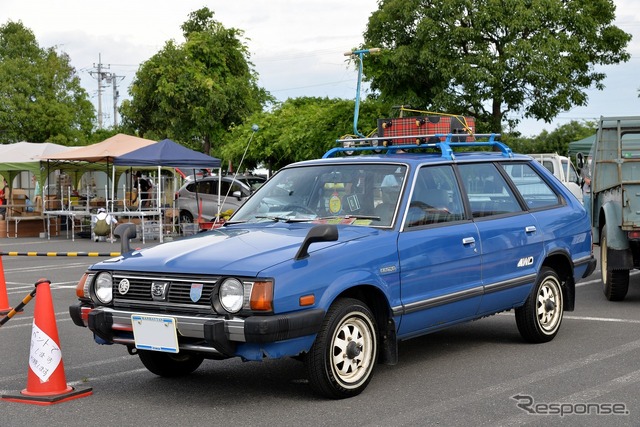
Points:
(224, 189)
(435, 198)
(204, 187)
(534, 190)
(487, 190)
(573, 175)
(549, 165)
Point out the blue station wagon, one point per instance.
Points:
(335, 261)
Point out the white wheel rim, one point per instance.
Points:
(549, 305)
(352, 349)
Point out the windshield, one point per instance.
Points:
(352, 193)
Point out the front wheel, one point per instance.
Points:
(341, 361)
(170, 364)
(615, 283)
(539, 319)
(186, 217)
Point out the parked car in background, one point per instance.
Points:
(205, 193)
(562, 168)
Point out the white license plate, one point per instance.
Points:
(157, 333)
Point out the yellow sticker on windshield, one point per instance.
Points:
(335, 205)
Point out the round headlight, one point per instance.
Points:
(231, 295)
(103, 288)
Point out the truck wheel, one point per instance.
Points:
(170, 364)
(341, 361)
(539, 319)
(615, 283)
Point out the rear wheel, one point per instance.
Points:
(539, 318)
(615, 283)
(341, 361)
(170, 364)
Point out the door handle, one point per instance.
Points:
(530, 229)
(468, 241)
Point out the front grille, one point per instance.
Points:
(178, 292)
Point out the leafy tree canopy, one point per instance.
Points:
(196, 91)
(556, 141)
(297, 129)
(492, 58)
(41, 99)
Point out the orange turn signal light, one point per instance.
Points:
(262, 296)
(307, 300)
(80, 290)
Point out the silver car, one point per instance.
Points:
(207, 192)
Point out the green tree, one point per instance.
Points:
(556, 141)
(196, 91)
(297, 129)
(492, 59)
(41, 98)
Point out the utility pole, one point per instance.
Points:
(100, 75)
(113, 79)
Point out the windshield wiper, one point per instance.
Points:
(371, 217)
(237, 221)
(284, 218)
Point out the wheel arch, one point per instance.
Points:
(378, 303)
(560, 262)
(609, 217)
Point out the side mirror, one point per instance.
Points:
(237, 195)
(125, 232)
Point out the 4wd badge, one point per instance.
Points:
(525, 261)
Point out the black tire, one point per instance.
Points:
(540, 317)
(615, 283)
(341, 361)
(186, 217)
(170, 364)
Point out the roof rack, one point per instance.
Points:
(442, 142)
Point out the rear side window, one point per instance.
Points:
(487, 190)
(534, 190)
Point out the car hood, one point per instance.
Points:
(235, 250)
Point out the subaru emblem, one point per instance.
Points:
(123, 286)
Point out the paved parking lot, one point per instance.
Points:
(480, 373)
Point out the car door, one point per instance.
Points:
(438, 247)
(511, 243)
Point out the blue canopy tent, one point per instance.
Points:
(167, 153)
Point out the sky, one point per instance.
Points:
(297, 47)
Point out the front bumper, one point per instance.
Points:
(207, 334)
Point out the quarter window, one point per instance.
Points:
(534, 190)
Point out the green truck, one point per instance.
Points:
(614, 205)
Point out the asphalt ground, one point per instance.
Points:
(480, 373)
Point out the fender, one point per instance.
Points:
(616, 237)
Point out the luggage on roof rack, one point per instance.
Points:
(427, 125)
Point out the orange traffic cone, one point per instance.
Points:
(46, 383)
(4, 299)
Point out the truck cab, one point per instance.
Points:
(614, 204)
(562, 168)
